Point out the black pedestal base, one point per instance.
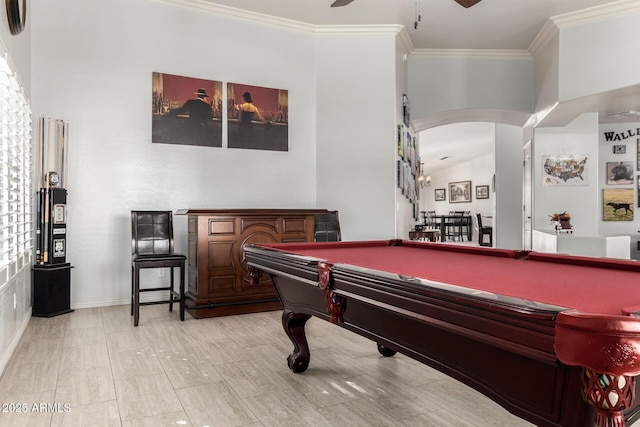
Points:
(51, 290)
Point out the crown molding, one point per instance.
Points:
(241, 14)
(260, 18)
(547, 33)
(473, 53)
(581, 17)
(357, 29)
(596, 13)
(407, 44)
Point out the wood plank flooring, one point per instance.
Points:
(93, 368)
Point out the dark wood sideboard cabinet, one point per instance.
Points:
(218, 283)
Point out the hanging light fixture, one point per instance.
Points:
(418, 15)
(424, 181)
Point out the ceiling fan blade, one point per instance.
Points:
(339, 3)
(467, 3)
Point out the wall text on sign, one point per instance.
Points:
(613, 136)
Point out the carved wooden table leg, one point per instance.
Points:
(293, 324)
(608, 350)
(610, 395)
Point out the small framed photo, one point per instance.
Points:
(460, 192)
(619, 149)
(441, 194)
(619, 173)
(482, 191)
(406, 110)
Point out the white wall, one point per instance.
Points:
(579, 137)
(341, 112)
(356, 132)
(546, 75)
(599, 56)
(404, 206)
(442, 82)
(605, 154)
(508, 223)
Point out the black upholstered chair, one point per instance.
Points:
(483, 231)
(327, 227)
(152, 247)
(466, 225)
(455, 224)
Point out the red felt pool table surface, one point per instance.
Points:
(590, 285)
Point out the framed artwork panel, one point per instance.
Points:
(440, 194)
(460, 192)
(620, 173)
(406, 110)
(565, 170)
(482, 191)
(186, 110)
(257, 117)
(617, 204)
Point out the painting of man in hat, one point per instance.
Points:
(198, 109)
(186, 111)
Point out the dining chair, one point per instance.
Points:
(458, 225)
(327, 227)
(483, 231)
(152, 247)
(466, 224)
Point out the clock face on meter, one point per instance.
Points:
(54, 179)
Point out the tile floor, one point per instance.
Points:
(93, 368)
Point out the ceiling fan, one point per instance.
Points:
(464, 3)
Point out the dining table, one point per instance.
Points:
(445, 219)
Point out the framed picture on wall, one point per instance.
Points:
(619, 149)
(619, 173)
(617, 204)
(460, 192)
(185, 110)
(257, 117)
(440, 194)
(482, 191)
(564, 170)
(406, 110)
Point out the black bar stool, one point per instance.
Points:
(152, 247)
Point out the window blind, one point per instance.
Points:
(16, 225)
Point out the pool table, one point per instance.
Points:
(554, 339)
